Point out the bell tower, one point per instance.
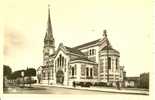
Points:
(49, 42)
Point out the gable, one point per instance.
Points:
(61, 51)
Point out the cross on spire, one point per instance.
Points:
(105, 33)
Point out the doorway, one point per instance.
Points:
(60, 77)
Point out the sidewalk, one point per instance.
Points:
(103, 89)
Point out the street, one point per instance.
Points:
(40, 89)
(49, 90)
(54, 91)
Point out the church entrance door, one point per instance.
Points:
(60, 77)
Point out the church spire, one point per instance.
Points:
(49, 26)
(49, 42)
(49, 31)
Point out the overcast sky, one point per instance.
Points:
(128, 23)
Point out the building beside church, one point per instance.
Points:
(95, 61)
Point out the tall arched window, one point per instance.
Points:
(116, 63)
(60, 60)
(73, 71)
(91, 72)
(109, 62)
(90, 52)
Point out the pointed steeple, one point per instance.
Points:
(49, 31)
(49, 26)
(49, 42)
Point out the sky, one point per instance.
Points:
(128, 24)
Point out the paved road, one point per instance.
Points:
(36, 89)
(64, 91)
(49, 90)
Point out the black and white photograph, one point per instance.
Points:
(78, 47)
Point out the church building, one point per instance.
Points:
(95, 61)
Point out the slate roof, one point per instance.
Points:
(87, 44)
(83, 59)
(109, 48)
(74, 51)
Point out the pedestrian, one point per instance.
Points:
(74, 85)
(118, 85)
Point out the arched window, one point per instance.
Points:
(58, 62)
(73, 71)
(87, 72)
(116, 63)
(90, 52)
(109, 62)
(62, 61)
(91, 72)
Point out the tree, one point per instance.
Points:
(6, 70)
(17, 73)
(6, 73)
(144, 80)
(29, 73)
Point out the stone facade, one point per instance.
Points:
(95, 61)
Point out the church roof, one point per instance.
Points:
(109, 48)
(74, 51)
(87, 44)
(83, 59)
